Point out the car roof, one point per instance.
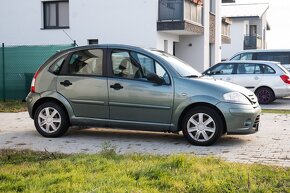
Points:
(261, 50)
(115, 46)
(250, 61)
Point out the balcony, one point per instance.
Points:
(252, 42)
(181, 17)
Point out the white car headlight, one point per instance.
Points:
(236, 97)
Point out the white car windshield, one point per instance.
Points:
(180, 66)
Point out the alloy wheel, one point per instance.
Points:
(49, 120)
(201, 127)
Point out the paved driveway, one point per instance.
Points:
(269, 146)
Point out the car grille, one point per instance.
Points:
(253, 99)
(256, 123)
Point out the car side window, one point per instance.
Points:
(87, 62)
(268, 70)
(148, 65)
(282, 57)
(55, 68)
(246, 68)
(246, 56)
(134, 65)
(237, 57)
(123, 66)
(222, 69)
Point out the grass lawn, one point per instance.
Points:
(276, 111)
(12, 106)
(108, 172)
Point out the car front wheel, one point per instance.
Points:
(51, 120)
(202, 126)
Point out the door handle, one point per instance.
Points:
(257, 78)
(66, 83)
(116, 86)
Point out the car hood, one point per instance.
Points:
(220, 86)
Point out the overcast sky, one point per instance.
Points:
(279, 20)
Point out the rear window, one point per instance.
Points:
(283, 68)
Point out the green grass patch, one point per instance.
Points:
(28, 171)
(12, 106)
(276, 111)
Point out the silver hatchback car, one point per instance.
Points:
(120, 86)
(268, 80)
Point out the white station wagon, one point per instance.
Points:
(268, 80)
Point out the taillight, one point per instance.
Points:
(32, 89)
(285, 79)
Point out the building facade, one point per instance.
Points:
(189, 29)
(249, 27)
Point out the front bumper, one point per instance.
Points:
(240, 119)
(30, 101)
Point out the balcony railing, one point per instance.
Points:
(180, 17)
(180, 10)
(252, 42)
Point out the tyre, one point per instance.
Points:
(51, 120)
(265, 95)
(202, 126)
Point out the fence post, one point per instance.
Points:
(3, 61)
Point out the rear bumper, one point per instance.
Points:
(282, 91)
(241, 119)
(30, 101)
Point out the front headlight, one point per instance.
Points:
(236, 97)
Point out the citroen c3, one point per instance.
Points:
(127, 87)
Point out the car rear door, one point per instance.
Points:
(248, 75)
(84, 85)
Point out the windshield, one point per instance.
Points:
(181, 67)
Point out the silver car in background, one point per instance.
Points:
(268, 80)
(282, 56)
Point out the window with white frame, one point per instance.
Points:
(55, 14)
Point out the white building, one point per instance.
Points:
(190, 29)
(248, 28)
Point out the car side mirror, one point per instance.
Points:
(152, 77)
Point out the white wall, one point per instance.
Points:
(194, 49)
(127, 21)
(217, 47)
(238, 31)
(132, 22)
(161, 36)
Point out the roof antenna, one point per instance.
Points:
(74, 41)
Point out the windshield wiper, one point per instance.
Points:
(192, 76)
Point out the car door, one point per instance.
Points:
(248, 75)
(135, 101)
(222, 71)
(84, 85)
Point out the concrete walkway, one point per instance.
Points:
(271, 145)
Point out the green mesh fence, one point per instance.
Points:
(18, 65)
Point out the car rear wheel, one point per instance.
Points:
(51, 120)
(265, 95)
(202, 126)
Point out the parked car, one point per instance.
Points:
(120, 86)
(282, 56)
(268, 80)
